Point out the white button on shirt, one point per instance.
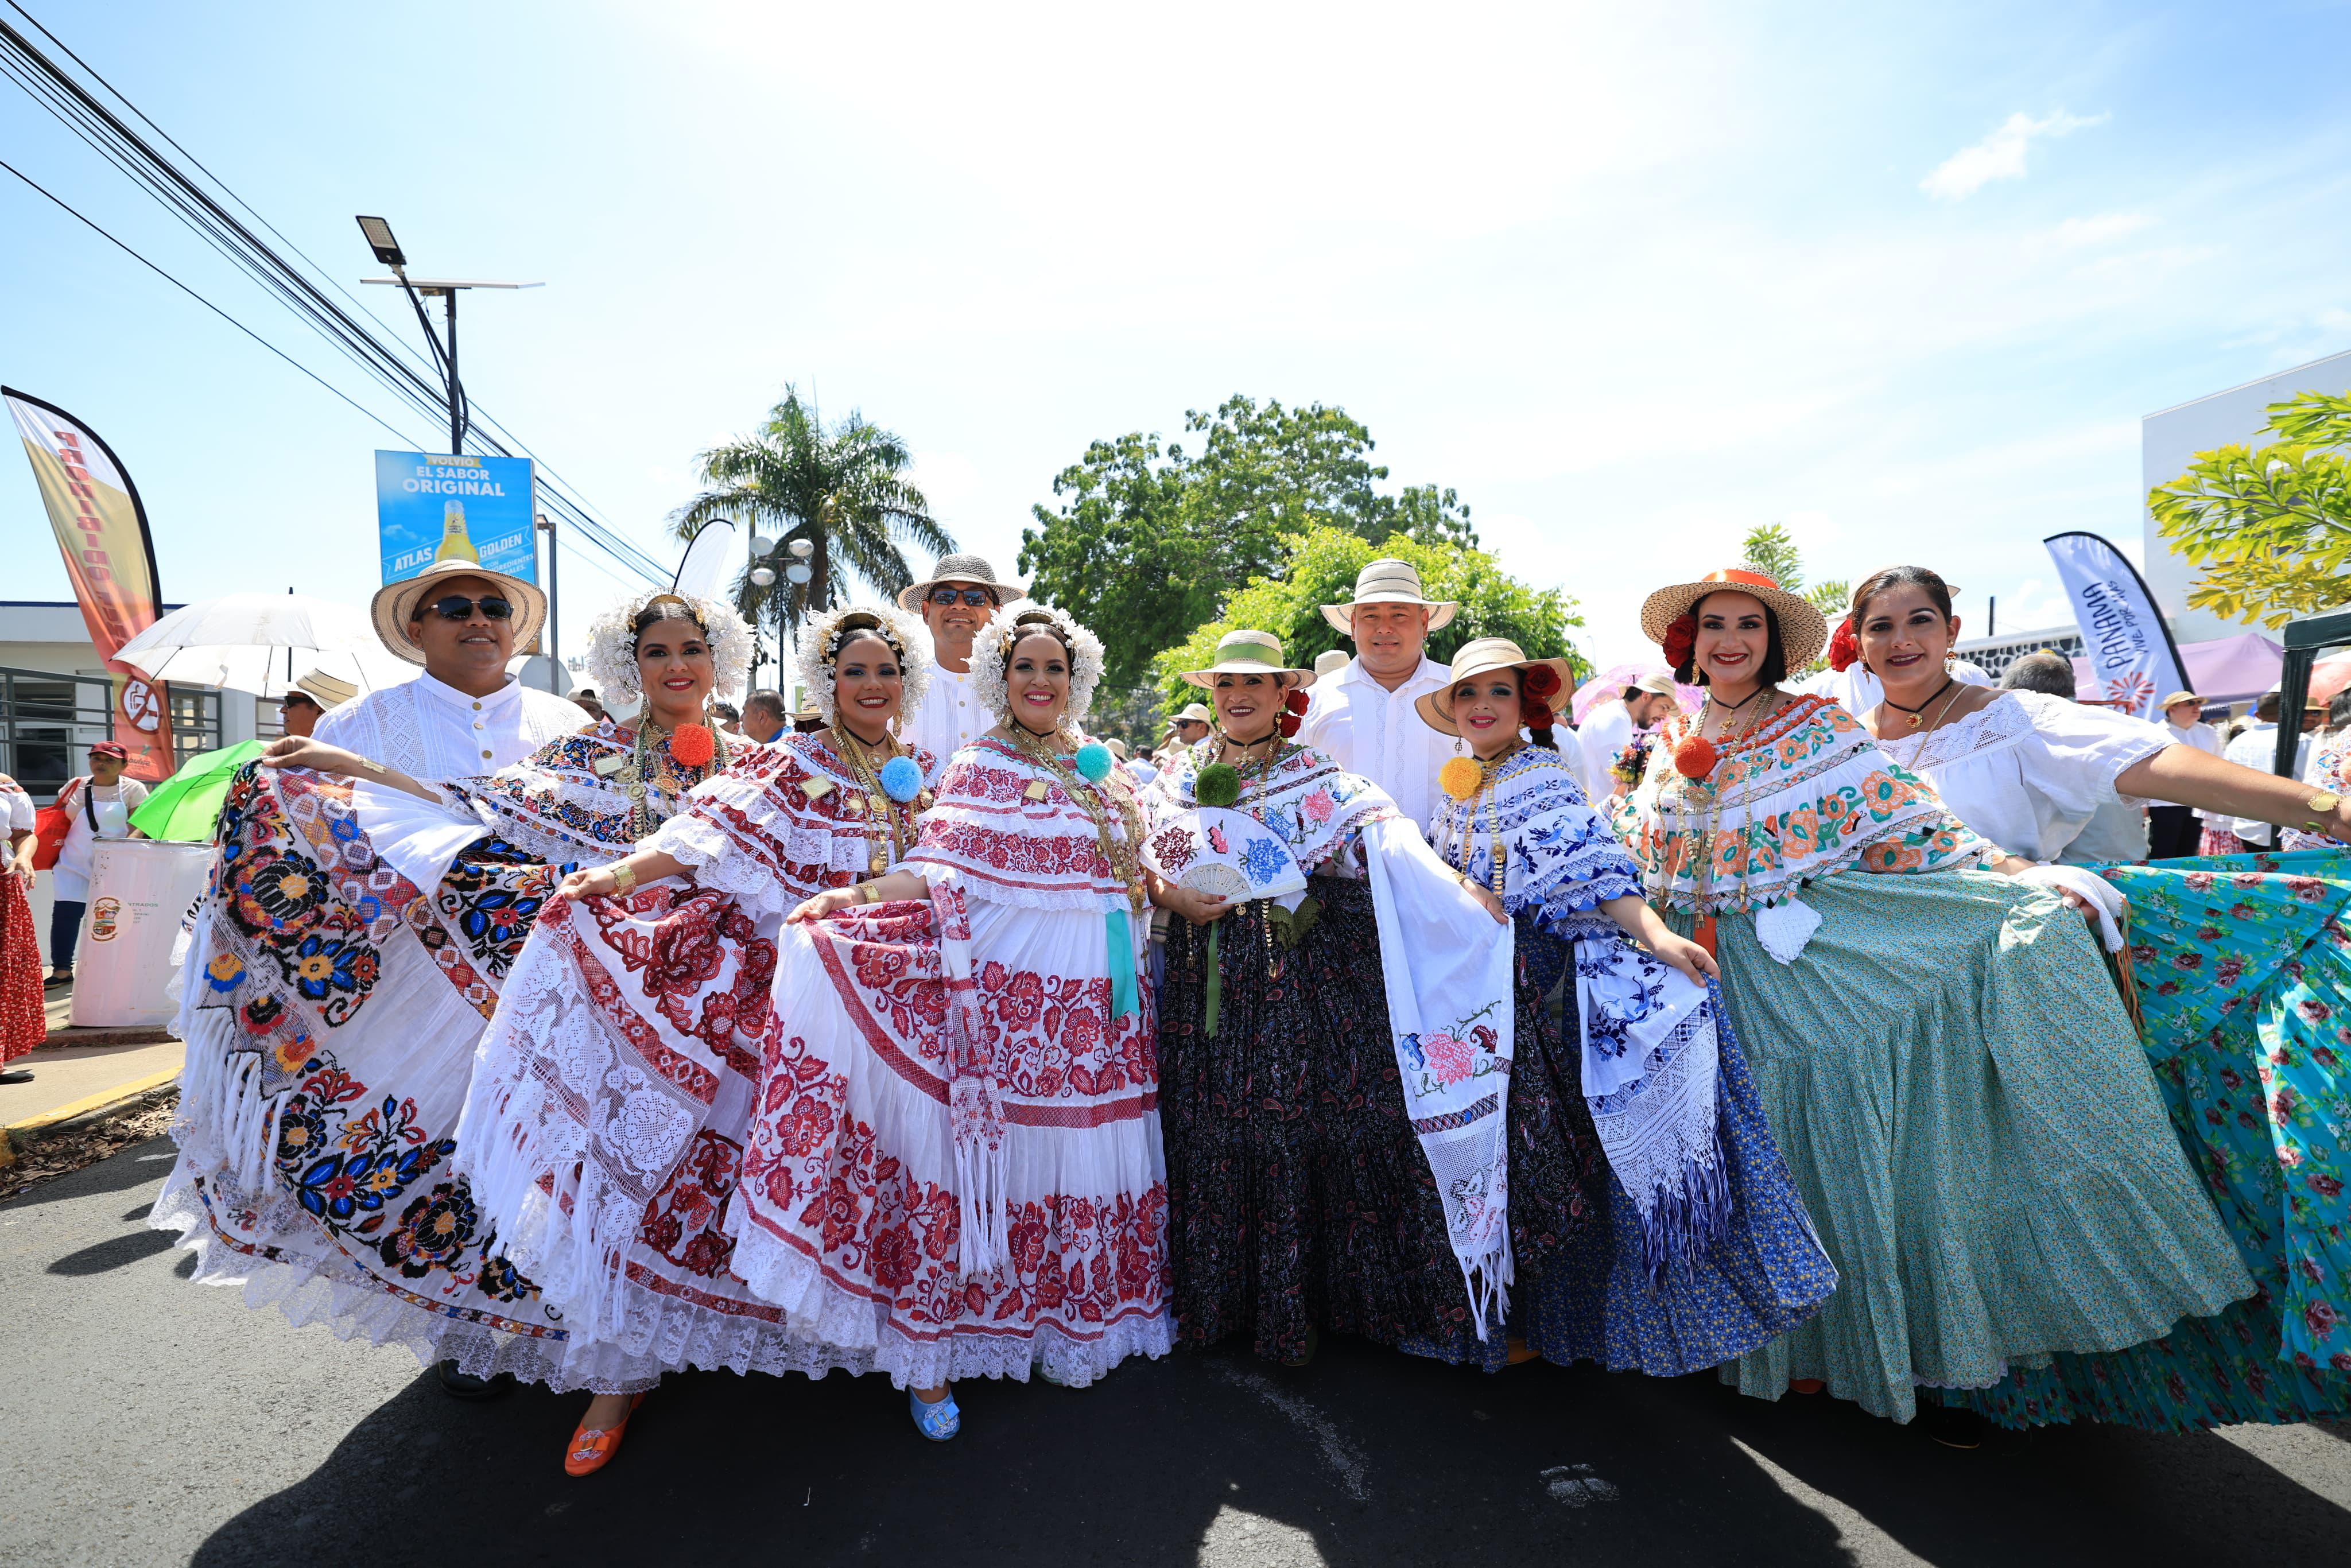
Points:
(1369, 730)
(951, 717)
(428, 730)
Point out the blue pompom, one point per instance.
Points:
(1093, 762)
(902, 779)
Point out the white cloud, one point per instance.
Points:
(2075, 234)
(1999, 156)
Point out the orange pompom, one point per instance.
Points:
(1694, 757)
(1460, 778)
(692, 745)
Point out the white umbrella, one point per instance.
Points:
(263, 643)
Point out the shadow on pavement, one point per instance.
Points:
(118, 1252)
(148, 1161)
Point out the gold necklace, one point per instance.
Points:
(1261, 767)
(884, 816)
(1461, 829)
(634, 774)
(1096, 801)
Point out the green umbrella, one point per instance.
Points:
(186, 805)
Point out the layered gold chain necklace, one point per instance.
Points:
(891, 825)
(641, 771)
(1461, 820)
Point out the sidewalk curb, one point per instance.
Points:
(107, 1035)
(81, 1116)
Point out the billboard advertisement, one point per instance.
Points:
(433, 506)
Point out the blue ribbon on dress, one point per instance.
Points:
(1124, 999)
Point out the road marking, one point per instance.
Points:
(1866, 1542)
(1344, 1459)
(1575, 1485)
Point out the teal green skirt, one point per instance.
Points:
(1974, 1129)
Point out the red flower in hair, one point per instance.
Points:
(1539, 682)
(1843, 648)
(1681, 640)
(691, 746)
(1537, 714)
(1296, 701)
(1287, 724)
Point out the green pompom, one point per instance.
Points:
(1219, 784)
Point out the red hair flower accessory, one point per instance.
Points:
(1296, 701)
(691, 745)
(1539, 682)
(1288, 723)
(1536, 713)
(1681, 640)
(1695, 757)
(1843, 648)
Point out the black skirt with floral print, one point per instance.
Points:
(1298, 1194)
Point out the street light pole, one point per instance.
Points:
(557, 681)
(387, 251)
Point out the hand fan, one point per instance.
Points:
(1224, 853)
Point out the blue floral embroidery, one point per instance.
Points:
(1263, 860)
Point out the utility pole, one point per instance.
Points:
(557, 681)
(446, 289)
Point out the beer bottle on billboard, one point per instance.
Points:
(455, 544)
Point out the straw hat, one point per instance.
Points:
(969, 569)
(1482, 657)
(1389, 581)
(1330, 662)
(2176, 698)
(1803, 632)
(1117, 748)
(326, 690)
(395, 604)
(1194, 713)
(1248, 653)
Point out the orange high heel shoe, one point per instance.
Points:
(592, 1447)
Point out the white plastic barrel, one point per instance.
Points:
(139, 888)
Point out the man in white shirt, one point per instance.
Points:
(1609, 726)
(1362, 717)
(2256, 748)
(1187, 730)
(98, 806)
(464, 715)
(2176, 831)
(954, 602)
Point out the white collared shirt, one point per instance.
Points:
(430, 730)
(1373, 732)
(952, 717)
(2257, 749)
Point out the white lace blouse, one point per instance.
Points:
(2028, 770)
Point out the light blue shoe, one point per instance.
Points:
(938, 1422)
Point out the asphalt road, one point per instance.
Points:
(146, 1420)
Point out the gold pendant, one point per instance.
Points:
(853, 804)
(607, 765)
(878, 804)
(815, 790)
(1038, 790)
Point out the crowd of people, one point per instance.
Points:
(920, 1034)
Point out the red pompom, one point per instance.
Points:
(691, 745)
(1844, 649)
(1536, 713)
(1287, 724)
(1681, 640)
(1295, 702)
(1694, 757)
(1540, 681)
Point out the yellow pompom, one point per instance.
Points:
(1460, 778)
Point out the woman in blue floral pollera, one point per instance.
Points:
(358, 928)
(1350, 1143)
(1709, 1253)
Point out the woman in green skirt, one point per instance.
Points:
(1939, 1051)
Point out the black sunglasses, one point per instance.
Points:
(972, 596)
(455, 607)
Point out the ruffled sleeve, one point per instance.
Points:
(2078, 751)
(775, 829)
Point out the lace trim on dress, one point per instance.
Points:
(1010, 830)
(1564, 861)
(1318, 808)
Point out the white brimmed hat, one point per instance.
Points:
(969, 569)
(1330, 662)
(1194, 713)
(2176, 698)
(1480, 657)
(325, 689)
(1389, 581)
(395, 604)
(1804, 631)
(1247, 652)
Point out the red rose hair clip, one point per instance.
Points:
(1845, 648)
(1681, 640)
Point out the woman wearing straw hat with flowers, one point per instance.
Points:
(1940, 1052)
(1348, 1145)
(1709, 1253)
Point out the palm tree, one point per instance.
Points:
(844, 492)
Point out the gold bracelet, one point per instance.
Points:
(372, 766)
(624, 878)
(867, 892)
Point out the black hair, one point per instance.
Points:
(2266, 709)
(2338, 710)
(1032, 622)
(1775, 649)
(1938, 592)
(659, 611)
(767, 697)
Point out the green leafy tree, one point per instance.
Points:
(2271, 526)
(1149, 540)
(1321, 569)
(843, 490)
(1773, 550)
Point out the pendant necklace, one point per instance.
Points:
(1917, 714)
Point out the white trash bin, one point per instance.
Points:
(138, 890)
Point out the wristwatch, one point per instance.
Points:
(2321, 806)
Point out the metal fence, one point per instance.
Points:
(48, 722)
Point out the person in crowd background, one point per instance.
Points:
(586, 700)
(2176, 831)
(954, 602)
(1187, 730)
(2329, 767)
(2255, 746)
(2117, 828)
(99, 805)
(727, 717)
(24, 1018)
(465, 716)
(765, 717)
(1609, 726)
(1362, 719)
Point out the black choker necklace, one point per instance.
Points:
(1020, 724)
(1734, 707)
(1904, 708)
(1245, 745)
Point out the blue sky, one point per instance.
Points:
(1905, 281)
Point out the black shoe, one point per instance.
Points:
(1952, 1425)
(54, 981)
(17, 1075)
(466, 1385)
